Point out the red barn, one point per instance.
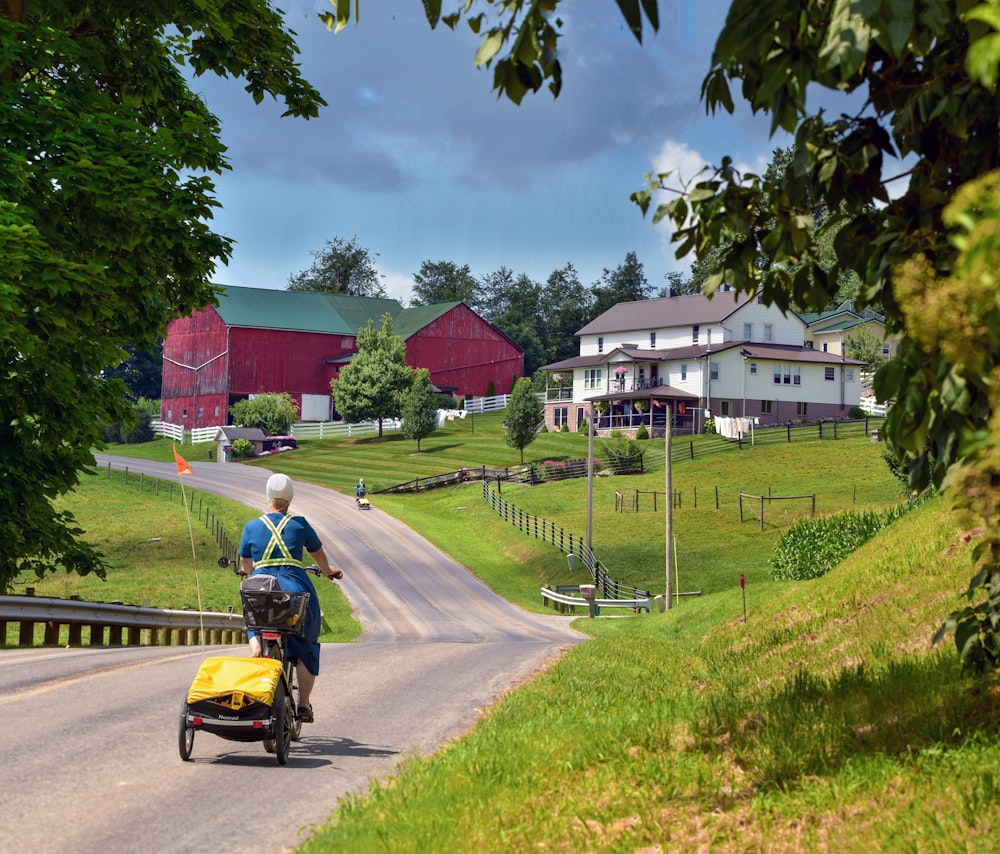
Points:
(259, 340)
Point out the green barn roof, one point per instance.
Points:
(266, 308)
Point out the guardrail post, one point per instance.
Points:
(75, 634)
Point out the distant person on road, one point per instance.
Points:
(272, 545)
(359, 490)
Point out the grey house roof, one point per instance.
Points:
(666, 312)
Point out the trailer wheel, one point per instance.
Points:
(185, 734)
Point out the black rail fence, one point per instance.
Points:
(568, 543)
(203, 512)
(781, 434)
(530, 473)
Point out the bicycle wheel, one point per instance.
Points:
(185, 734)
(282, 723)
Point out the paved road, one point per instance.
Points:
(89, 736)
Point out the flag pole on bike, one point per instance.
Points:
(183, 468)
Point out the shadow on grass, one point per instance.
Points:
(814, 725)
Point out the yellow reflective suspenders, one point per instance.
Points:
(276, 543)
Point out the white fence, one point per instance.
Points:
(327, 429)
(870, 407)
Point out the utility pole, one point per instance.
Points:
(670, 504)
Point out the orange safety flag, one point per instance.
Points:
(182, 464)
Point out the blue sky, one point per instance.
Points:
(417, 158)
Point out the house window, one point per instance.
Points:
(748, 331)
(724, 408)
(753, 367)
(684, 372)
(885, 348)
(768, 332)
(800, 408)
(592, 378)
(828, 374)
(694, 334)
(713, 370)
(765, 407)
(826, 346)
(796, 375)
(561, 414)
(600, 344)
(652, 340)
(849, 375)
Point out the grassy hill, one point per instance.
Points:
(824, 721)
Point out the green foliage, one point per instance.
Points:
(443, 281)
(274, 414)
(243, 448)
(340, 267)
(709, 426)
(372, 386)
(622, 453)
(864, 345)
(641, 432)
(584, 427)
(104, 209)
(136, 427)
(419, 407)
(564, 427)
(812, 547)
(523, 416)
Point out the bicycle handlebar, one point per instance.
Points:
(314, 569)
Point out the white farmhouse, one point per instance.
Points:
(727, 356)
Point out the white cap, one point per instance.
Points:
(279, 486)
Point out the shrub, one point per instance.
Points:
(584, 427)
(641, 433)
(564, 428)
(856, 412)
(242, 448)
(709, 426)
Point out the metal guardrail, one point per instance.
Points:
(563, 601)
(114, 624)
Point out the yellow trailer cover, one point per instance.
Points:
(236, 675)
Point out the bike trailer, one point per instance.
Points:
(233, 696)
(364, 503)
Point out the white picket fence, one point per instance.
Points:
(870, 407)
(326, 429)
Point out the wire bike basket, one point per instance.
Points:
(283, 611)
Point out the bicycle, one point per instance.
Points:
(251, 699)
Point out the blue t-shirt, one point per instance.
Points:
(298, 535)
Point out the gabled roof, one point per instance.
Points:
(666, 312)
(411, 320)
(266, 308)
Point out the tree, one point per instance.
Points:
(524, 414)
(140, 370)
(924, 90)
(372, 386)
(105, 199)
(340, 267)
(564, 308)
(626, 283)
(495, 291)
(274, 414)
(444, 281)
(865, 345)
(419, 407)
